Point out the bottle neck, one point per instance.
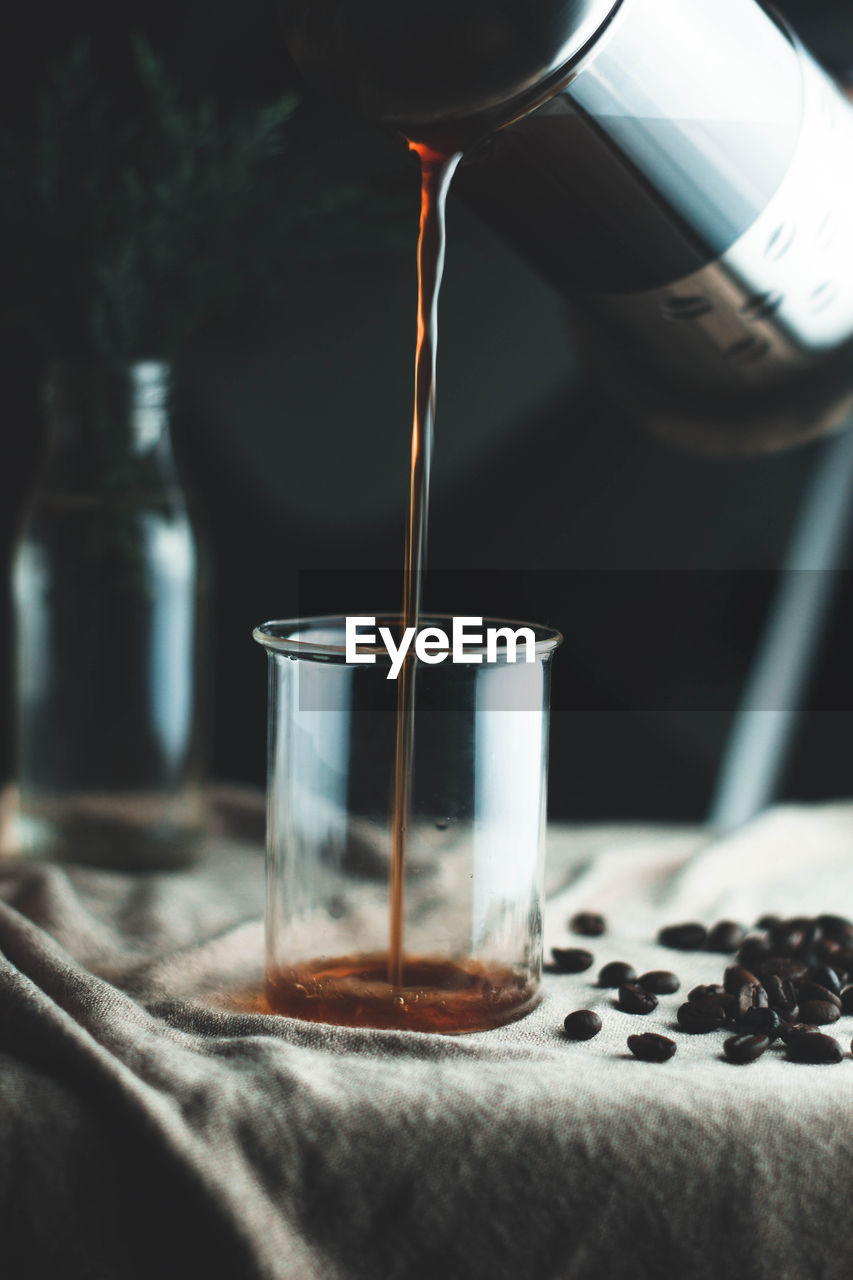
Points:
(108, 427)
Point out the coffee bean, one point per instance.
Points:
(572, 959)
(743, 1049)
(837, 929)
(826, 977)
(683, 937)
(826, 950)
(649, 1047)
(789, 937)
(660, 982)
(809, 991)
(781, 996)
(760, 1022)
(820, 1012)
(583, 1024)
(588, 924)
(616, 974)
(698, 1021)
(793, 1029)
(768, 922)
(751, 996)
(726, 937)
(756, 947)
(815, 1048)
(706, 990)
(847, 1000)
(633, 999)
(735, 977)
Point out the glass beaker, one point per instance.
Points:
(465, 951)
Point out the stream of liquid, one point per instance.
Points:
(436, 173)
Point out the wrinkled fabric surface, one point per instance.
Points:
(147, 1129)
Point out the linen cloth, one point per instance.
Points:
(150, 1129)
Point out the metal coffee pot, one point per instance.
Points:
(682, 170)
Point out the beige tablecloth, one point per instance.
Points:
(145, 1132)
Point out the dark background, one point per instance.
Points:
(294, 429)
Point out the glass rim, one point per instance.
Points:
(278, 635)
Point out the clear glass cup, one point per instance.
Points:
(469, 955)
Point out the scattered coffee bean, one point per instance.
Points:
(826, 977)
(746, 1048)
(683, 937)
(706, 991)
(837, 929)
(726, 937)
(820, 1012)
(847, 1000)
(760, 1022)
(815, 1048)
(583, 1024)
(768, 922)
(791, 1030)
(788, 937)
(756, 947)
(697, 1020)
(616, 974)
(649, 1047)
(660, 982)
(572, 959)
(781, 996)
(736, 977)
(808, 991)
(589, 924)
(633, 999)
(751, 996)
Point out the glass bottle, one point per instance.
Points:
(110, 588)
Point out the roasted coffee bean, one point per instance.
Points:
(837, 929)
(791, 936)
(583, 1024)
(743, 1049)
(649, 1047)
(809, 991)
(815, 1048)
(572, 959)
(847, 1000)
(756, 947)
(760, 1022)
(660, 982)
(842, 962)
(768, 922)
(705, 990)
(588, 924)
(751, 996)
(726, 937)
(683, 937)
(826, 950)
(736, 977)
(633, 999)
(781, 996)
(697, 1020)
(792, 1029)
(826, 977)
(616, 974)
(820, 1012)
